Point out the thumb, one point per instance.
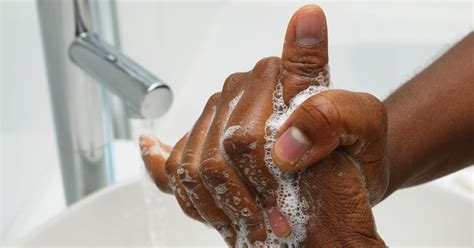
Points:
(305, 52)
(354, 121)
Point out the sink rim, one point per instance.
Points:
(438, 185)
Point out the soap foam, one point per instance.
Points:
(289, 201)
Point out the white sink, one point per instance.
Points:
(136, 214)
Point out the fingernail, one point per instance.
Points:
(290, 147)
(278, 223)
(310, 25)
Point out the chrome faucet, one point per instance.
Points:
(79, 102)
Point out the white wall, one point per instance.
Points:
(194, 46)
(29, 163)
(374, 47)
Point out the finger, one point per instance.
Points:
(224, 183)
(244, 140)
(189, 174)
(305, 52)
(171, 167)
(354, 121)
(244, 135)
(154, 155)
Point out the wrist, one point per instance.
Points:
(395, 147)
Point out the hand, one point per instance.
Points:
(315, 186)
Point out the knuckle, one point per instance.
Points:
(269, 63)
(213, 100)
(171, 165)
(170, 170)
(323, 106)
(212, 173)
(307, 62)
(188, 177)
(230, 145)
(233, 81)
(304, 68)
(242, 138)
(370, 99)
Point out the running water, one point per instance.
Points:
(152, 198)
(155, 212)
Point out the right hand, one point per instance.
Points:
(218, 171)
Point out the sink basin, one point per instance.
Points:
(137, 214)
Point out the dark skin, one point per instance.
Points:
(350, 149)
(438, 107)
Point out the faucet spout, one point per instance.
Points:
(145, 95)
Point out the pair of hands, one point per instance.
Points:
(230, 174)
